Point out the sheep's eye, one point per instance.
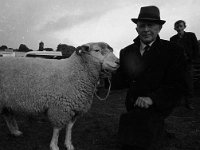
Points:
(96, 50)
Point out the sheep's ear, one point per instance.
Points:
(82, 49)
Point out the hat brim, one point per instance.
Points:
(135, 20)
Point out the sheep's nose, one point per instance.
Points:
(117, 61)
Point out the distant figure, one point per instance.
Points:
(41, 46)
(189, 42)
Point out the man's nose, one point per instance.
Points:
(146, 27)
(117, 61)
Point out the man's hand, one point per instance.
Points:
(143, 102)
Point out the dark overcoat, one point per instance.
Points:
(189, 43)
(158, 75)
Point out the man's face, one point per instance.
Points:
(148, 31)
(180, 27)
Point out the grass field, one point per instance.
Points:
(97, 130)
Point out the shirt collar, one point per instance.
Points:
(143, 45)
(137, 40)
(181, 35)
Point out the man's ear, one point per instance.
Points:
(175, 28)
(136, 29)
(160, 27)
(82, 49)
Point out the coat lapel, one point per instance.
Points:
(153, 55)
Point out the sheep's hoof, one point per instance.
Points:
(17, 133)
(54, 147)
(70, 147)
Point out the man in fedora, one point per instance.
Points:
(153, 71)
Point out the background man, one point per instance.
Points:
(189, 43)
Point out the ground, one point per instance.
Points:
(97, 129)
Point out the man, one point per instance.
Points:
(189, 43)
(152, 69)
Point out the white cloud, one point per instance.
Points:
(114, 27)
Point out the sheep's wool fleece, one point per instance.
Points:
(60, 87)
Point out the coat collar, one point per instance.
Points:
(181, 36)
(155, 46)
(154, 52)
(137, 40)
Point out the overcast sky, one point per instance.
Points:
(75, 22)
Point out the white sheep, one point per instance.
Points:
(62, 88)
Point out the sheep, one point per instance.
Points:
(62, 88)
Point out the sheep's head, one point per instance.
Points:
(102, 52)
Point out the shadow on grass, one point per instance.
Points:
(97, 129)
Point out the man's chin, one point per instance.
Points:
(147, 40)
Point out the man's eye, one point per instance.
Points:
(96, 50)
(150, 25)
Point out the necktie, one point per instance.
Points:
(146, 48)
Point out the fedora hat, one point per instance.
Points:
(149, 13)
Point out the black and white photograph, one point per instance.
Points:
(99, 75)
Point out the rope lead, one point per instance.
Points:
(103, 99)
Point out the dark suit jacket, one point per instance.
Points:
(189, 43)
(158, 75)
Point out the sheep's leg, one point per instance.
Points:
(12, 125)
(68, 142)
(54, 140)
